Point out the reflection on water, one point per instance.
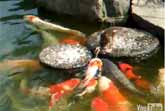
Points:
(18, 42)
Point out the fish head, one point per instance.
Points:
(95, 63)
(125, 67)
(31, 18)
(94, 70)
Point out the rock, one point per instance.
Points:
(124, 42)
(65, 56)
(111, 11)
(149, 15)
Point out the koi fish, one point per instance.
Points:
(70, 41)
(93, 69)
(98, 104)
(139, 82)
(110, 68)
(128, 71)
(111, 95)
(44, 25)
(89, 88)
(14, 65)
(61, 89)
(66, 86)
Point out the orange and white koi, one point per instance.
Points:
(34, 20)
(93, 69)
(61, 89)
(89, 88)
(112, 96)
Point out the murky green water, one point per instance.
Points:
(18, 42)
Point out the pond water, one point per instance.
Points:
(18, 42)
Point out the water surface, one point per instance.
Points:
(18, 42)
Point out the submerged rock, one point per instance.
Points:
(112, 11)
(149, 15)
(123, 42)
(65, 56)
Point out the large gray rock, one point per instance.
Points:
(149, 15)
(124, 42)
(112, 11)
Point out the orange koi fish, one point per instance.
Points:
(98, 104)
(128, 71)
(70, 41)
(111, 95)
(61, 89)
(89, 88)
(139, 82)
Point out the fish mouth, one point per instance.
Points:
(29, 18)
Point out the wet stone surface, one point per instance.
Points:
(110, 11)
(65, 56)
(123, 42)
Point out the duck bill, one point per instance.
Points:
(111, 95)
(138, 80)
(98, 104)
(59, 90)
